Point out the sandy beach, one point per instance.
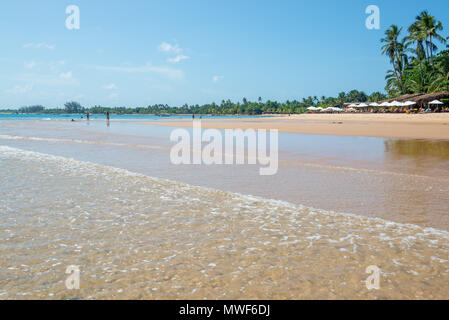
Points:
(406, 126)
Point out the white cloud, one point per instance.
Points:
(111, 86)
(67, 75)
(215, 79)
(30, 65)
(20, 89)
(173, 49)
(178, 58)
(167, 72)
(167, 47)
(39, 45)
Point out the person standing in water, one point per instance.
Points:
(87, 115)
(107, 115)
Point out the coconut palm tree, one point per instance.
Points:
(391, 42)
(431, 27)
(341, 98)
(441, 77)
(418, 36)
(440, 83)
(395, 50)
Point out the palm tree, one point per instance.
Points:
(393, 84)
(440, 83)
(431, 27)
(417, 36)
(341, 98)
(441, 79)
(395, 50)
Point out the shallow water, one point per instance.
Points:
(405, 181)
(87, 195)
(133, 236)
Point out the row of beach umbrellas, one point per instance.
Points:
(391, 104)
(354, 106)
(330, 109)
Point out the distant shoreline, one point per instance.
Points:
(148, 114)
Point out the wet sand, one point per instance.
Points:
(415, 126)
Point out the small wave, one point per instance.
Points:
(89, 168)
(79, 141)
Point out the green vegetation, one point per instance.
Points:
(32, 109)
(73, 107)
(418, 67)
(225, 107)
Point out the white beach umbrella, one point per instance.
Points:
(409, 103)
(436, 102)
(374, 104)
(311, 108)
(353, 105)
(363, 105)
(385, 104)
(336, 109)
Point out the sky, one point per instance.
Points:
(138, 53)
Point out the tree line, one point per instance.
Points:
(225, 107)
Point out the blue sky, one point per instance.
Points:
(136, 53)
